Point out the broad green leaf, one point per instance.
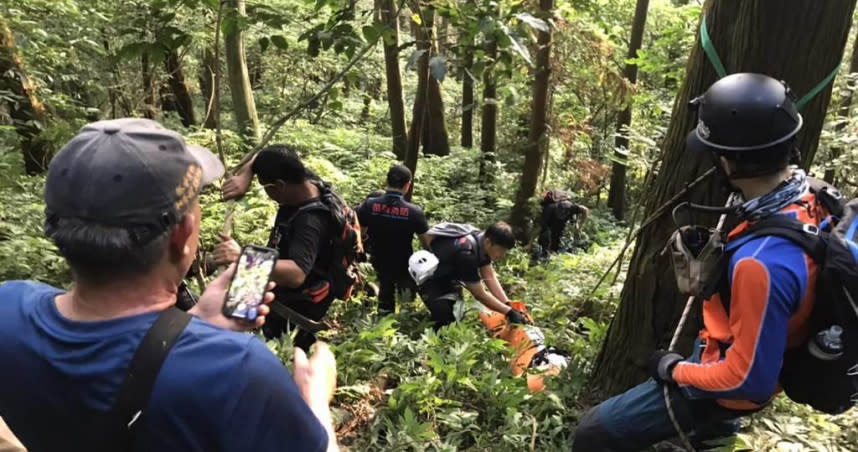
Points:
(263, 43)
(534, 22)
(438, 67)
(517, 46)
(370, 32)
(280, 42)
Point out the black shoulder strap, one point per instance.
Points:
(133, 394)
(807, 236)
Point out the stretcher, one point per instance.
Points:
(531, 357)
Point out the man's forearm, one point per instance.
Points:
(288, 274)
(497, 290)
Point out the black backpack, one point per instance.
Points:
(828, 385)
(346, 240)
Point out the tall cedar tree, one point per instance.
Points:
(388, 14)
(436, 141)
(418, 111)
(617, 193)
(27, 112)
(240, 89)
(488, 125)
(750, 36)
(537, 140)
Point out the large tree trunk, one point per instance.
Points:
(750, 36)
(243, 104)
(27, 112)
(843, 112)
(617, 193)
(207, 77)
(435, 138)
(537, 139)
(421, 96)
(488, 123)
(179, 88)
(387, 14)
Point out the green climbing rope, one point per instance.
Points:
(712, 54)
(709, 49)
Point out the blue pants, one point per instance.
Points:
(638, 418)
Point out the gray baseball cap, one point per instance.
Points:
(128, 172)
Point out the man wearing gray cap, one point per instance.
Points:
(111, 364)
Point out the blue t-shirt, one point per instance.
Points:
(217, 390)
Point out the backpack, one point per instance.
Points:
(831, 384)
(346, 240)
(454, 230)
(553, 196)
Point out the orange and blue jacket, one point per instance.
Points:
(771, 282)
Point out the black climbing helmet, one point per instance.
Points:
(744, 112)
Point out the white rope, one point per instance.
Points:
(676, 333)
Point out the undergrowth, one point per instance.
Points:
(403, 387)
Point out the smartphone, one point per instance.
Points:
(248, 284)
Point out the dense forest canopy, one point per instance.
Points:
(490, 103)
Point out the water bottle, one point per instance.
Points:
(827, 344)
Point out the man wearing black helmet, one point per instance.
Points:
(748, 123)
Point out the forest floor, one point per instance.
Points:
(403, 387)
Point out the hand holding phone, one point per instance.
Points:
(249, 282)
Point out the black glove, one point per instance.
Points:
(661, 364)
(515, 316)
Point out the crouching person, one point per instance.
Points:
(111, 364)
(464, 257)
(748, 123)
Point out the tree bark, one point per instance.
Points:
(537, 139)
(207, 77)
(436, 141)
(488, 126)
(750, 36)
(421, 96)
(148, 87)
(468, 92)
(27, 112)
(843, 112)
(240, 89)
(179, 88)
(388, 14)
(435, 138)
(617, 193)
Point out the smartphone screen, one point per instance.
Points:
(247, 288)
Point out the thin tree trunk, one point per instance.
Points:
(750, 36)
(617, 193)
(468, 92)
(179, 88)
(537, 140)
(843, 112)
(148, 88)
(435, 138)
(27, 112)
(243, 104)
(488, 126)
(207, 77)
(388, 14)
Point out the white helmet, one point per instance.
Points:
(422, 265)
